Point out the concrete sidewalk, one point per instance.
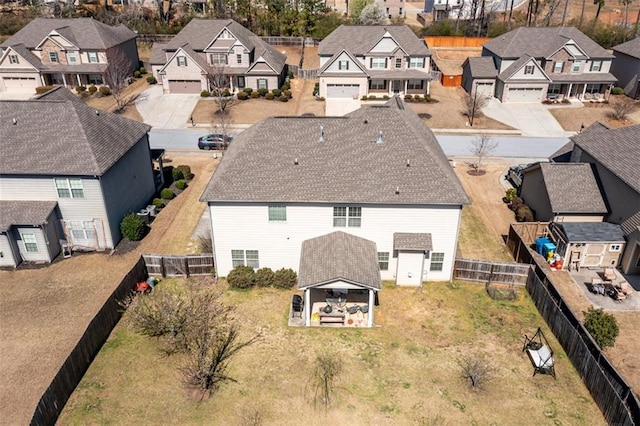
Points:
(533, 119)
(172, 111)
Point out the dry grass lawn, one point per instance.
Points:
(572, 118)
(108, 103)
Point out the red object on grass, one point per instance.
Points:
(142, 286)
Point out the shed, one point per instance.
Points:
(588, 244)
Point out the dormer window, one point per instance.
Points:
(557, 67)
(343, 65)
(53, 56)
(182, 61)
(398, 62)
(596, 66)
(13, 59)
(93, 57)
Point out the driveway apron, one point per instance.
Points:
(171, 111)
(533, 119)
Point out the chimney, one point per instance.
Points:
(321, 133)
(380, 137)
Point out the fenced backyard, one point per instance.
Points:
(178, 266)
(491, 272)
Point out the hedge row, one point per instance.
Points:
(246, 277)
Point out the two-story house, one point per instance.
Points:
(626, 67)
(533, 64)
(377, 173)
(67, 172)
(380, 60)
(393, 8)
(447, 9)
(68, 52)
(207, 50)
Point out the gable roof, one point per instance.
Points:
(571, 187)
(519, 64)
(158, 55)
(349, 166)
(482, 67)
(353, 60)
(195, 57)
(18, 212)
(71, 138)
(339, 256)
(631, 48)
(541, 42)
(87, 33)
(412, 241)
(586, 232)
(618, 150)
(360, 39)
(25, 53)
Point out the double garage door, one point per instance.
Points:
(521, 94)
(343, 90)
(20, 84)
(185, 86)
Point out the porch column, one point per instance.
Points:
(569, 91)
(64, 80)
(428, 87)
(406, 84)
(584, 90)
(307, 307)
(372, 301)
(78, 78)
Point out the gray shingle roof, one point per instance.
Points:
(631, 48)
(541, 42)
(348, 167)
(616, 149)
(339, 255)
(86, 32)
(585, 232)
(22, 50)
(412, 241)
(572, 188)
(482, 67)
(630, 225)
(158, 55)
(359, 39)
(14, 212)
(591, 77)
(58, 135)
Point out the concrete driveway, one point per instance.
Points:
(337, 107)
(12, 96)
(172, 111)
(533, 119)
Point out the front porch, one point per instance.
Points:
(558, 92)
(71, 80)
(391, 87)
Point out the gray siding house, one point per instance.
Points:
(67, 172)
(626, 67)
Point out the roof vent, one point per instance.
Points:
(97, 112)
(397, 190)
(321, 133)
(380, 137)
(15, 121)
(408, 163)
(366, 121)
(295, 161)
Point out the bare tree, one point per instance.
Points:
(165, 10)
(473, 105)
(622, 106)
(482, 146)
(220, 84)
(476, 369)
(117, 76)
(325, 372)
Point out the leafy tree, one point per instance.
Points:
(602, 326)
(372, 14)
(356, 7)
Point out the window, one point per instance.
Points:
(53, 56)
(592, 88)
(555, 88)
(378, 84)
(239, 58)
(614, 247)
(415, 84)
(416, 62)
(73, 59)
(93, 57)
(69, 188)
(596, 66)
(245, 258)
(240, 82)
(262, 83)
(95, 79)
(400, 10)
(378, 62)
(343, 65)
(13, 59)
(398, 62)
(182, 61)
(82, 230)
(528, 69)
(355, 216)
(558, 66)
(383, 260)
(437, 260)
(347, 216)
(576, 66)
(339, 216)
(218, 58)
(277, 213)
(30, 242)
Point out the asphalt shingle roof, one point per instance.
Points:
(514, 67)
(572, 188)
(408, 167)
(158, 55)
(632, 224)
(482, 67)
(412, 241)
(631, 48)
(359, 39)
(339, 255)
(13, 212)
(586, 232)
(87, 33)
(616, 149)
(58, 134)
(542, 42)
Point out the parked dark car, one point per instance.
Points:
(216, 141)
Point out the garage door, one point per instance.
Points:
(20, 84)
(485, 89)
(185, 86)
(524, 95)
(343, 90)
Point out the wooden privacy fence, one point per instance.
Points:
(491, 272)
(177, 266)
(65, 381)
(303, 74)
(522, 235)
(455, 41)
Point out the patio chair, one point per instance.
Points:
(297, 304)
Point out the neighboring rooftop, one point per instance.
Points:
(359, 39)
(342, 256)
(632, 224)
(482, 67)
(31, 213)
(631, 48)
(585, 232)
(283, 159)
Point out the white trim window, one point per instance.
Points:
(30, 243)
(277, 213)
(528, 69)
(69, 188)
(53, 56)
(239, 58)
(240, 82)
(596, 66)
(72, 58)
(558, 67)
(576, 66)
(416, 62)
(383, 260)
(437, 262)
(377, 84)
(182, 61)
(93, 57)
(614, 247)
(95, 79)
(380, 63)
(82, 232)
(415, 84)
(245, 258)
(398, 62)
(13, 59)
(263, 84)
(218, 58)
(343, 65)
(347, 217)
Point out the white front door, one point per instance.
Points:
(410, 268)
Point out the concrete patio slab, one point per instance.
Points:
(583, 281)
(171, 111)
(533, 119)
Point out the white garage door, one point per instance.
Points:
(524, 95)
(485, 89)
(185, 86)
(20, 84)
(343, 90)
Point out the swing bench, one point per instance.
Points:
(540, 353)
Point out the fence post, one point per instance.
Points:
(186, 266)
(163, 271)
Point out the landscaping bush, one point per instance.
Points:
(510, 194)
(385, 97)
(181, 184)
(276, 92)
(92, 89)
(186, 171)
(617, 91)
(243, 96)
(80, 89)
(176, 174)
(515, 203)
(104, 90)
(143, 70)
(287, 93)
(408, 98)
(373, 97)
(265, 277)
(363, 98)
(43, 89)
(204, 94)
(132, 227)
(418, 98)
(283, 98)
(205, 245)
(316, 89)
(524, 214)
(247, 90)
(241, 277)
(84, 95)
(226, 93)
(263, 92)
(290, 74)
(286, 86)
(269, 96)
(602, 326)
(428, 98)
(158, 203)
(167, 194)
(136, 74)
(255, 95)
(285, 278)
